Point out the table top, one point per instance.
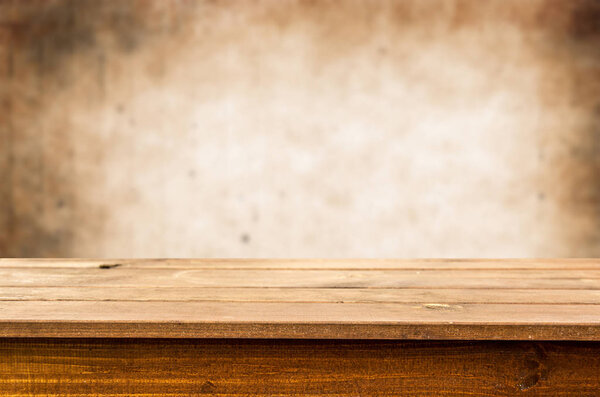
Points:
(509, 299)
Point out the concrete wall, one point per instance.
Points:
(300, 128)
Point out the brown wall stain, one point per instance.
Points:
(573, 151)
(300, 128)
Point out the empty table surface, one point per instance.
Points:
(534, 299)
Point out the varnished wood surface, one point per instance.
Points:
(349, 299)
(180, 367)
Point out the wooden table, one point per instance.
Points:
(299, 327)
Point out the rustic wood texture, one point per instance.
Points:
(180, 367)
(337, 299)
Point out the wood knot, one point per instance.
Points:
(109, 265)
(528, 381)
(208, 387)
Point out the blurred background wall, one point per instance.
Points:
(409, 128)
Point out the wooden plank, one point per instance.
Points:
(299, 320)
(332, 295)
(161, 367)
(320, 264)
(367, 331)
(50, 277)
(96, 299)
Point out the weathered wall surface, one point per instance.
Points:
(300, 128)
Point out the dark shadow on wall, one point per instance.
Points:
(574, 174)
(38, 39)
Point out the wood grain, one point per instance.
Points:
(396, 328)
(318, 264)
(391, 299)
(169, 367)
(284, 278)
(305, 295)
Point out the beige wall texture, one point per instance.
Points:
(416, 128)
